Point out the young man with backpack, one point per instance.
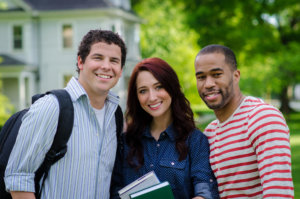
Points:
(85, 170)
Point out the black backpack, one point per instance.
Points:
(58, 148)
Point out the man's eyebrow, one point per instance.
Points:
(199, 73)
(100, 55)
(116, 58)
(212, 70)
(97, 54)
(216, 69)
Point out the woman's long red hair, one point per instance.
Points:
(138, 119)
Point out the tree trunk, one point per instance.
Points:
(285, 101)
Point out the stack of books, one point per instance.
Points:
(160, 191)
(147, 187)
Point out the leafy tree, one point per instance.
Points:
(165, 35)
(265, 34)
(6, 108)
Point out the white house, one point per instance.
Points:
(39, 41)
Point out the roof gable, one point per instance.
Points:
(6, 60)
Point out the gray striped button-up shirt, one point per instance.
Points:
(85, 170)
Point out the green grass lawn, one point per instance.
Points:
(295, 144)
(294, 124)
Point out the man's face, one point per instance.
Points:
(216, 81)
(101, 69)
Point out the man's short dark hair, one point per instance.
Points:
(95, 36)
(227, 52)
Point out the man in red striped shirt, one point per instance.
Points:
(249, 140)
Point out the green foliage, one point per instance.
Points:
(166, 36)
(264, 34)
(296, 167)
(255, 75)
(294, 126)
(6, 108)
(286, 63)
(3, 5)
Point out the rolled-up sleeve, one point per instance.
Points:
(33, 141)
(203, 179)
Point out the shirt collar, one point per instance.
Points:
(76, 91)
(170, 132)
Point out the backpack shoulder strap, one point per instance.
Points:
(119, 122)
(65, 119)
(63, 133)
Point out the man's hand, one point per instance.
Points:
(22, 195)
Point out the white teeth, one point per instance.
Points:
(104, 76)
(211, 95)
(155, 105)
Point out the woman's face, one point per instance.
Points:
(153, 98)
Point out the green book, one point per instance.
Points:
(147, 180)
(160, 191)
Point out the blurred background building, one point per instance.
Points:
(39, 41)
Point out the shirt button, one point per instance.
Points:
(211, 180)
(172, 163)
(151, 165)
(158, 145)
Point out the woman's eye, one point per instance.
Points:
(159, 87)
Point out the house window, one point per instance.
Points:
(18, 37)
(67, 36)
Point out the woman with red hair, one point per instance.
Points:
(161, 136)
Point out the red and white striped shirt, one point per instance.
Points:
(250, 152)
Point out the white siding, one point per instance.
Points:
(43, 48)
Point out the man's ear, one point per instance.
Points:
(79, 63)
(237, 75)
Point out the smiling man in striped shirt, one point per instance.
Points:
(249, 141)
(85, 170)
